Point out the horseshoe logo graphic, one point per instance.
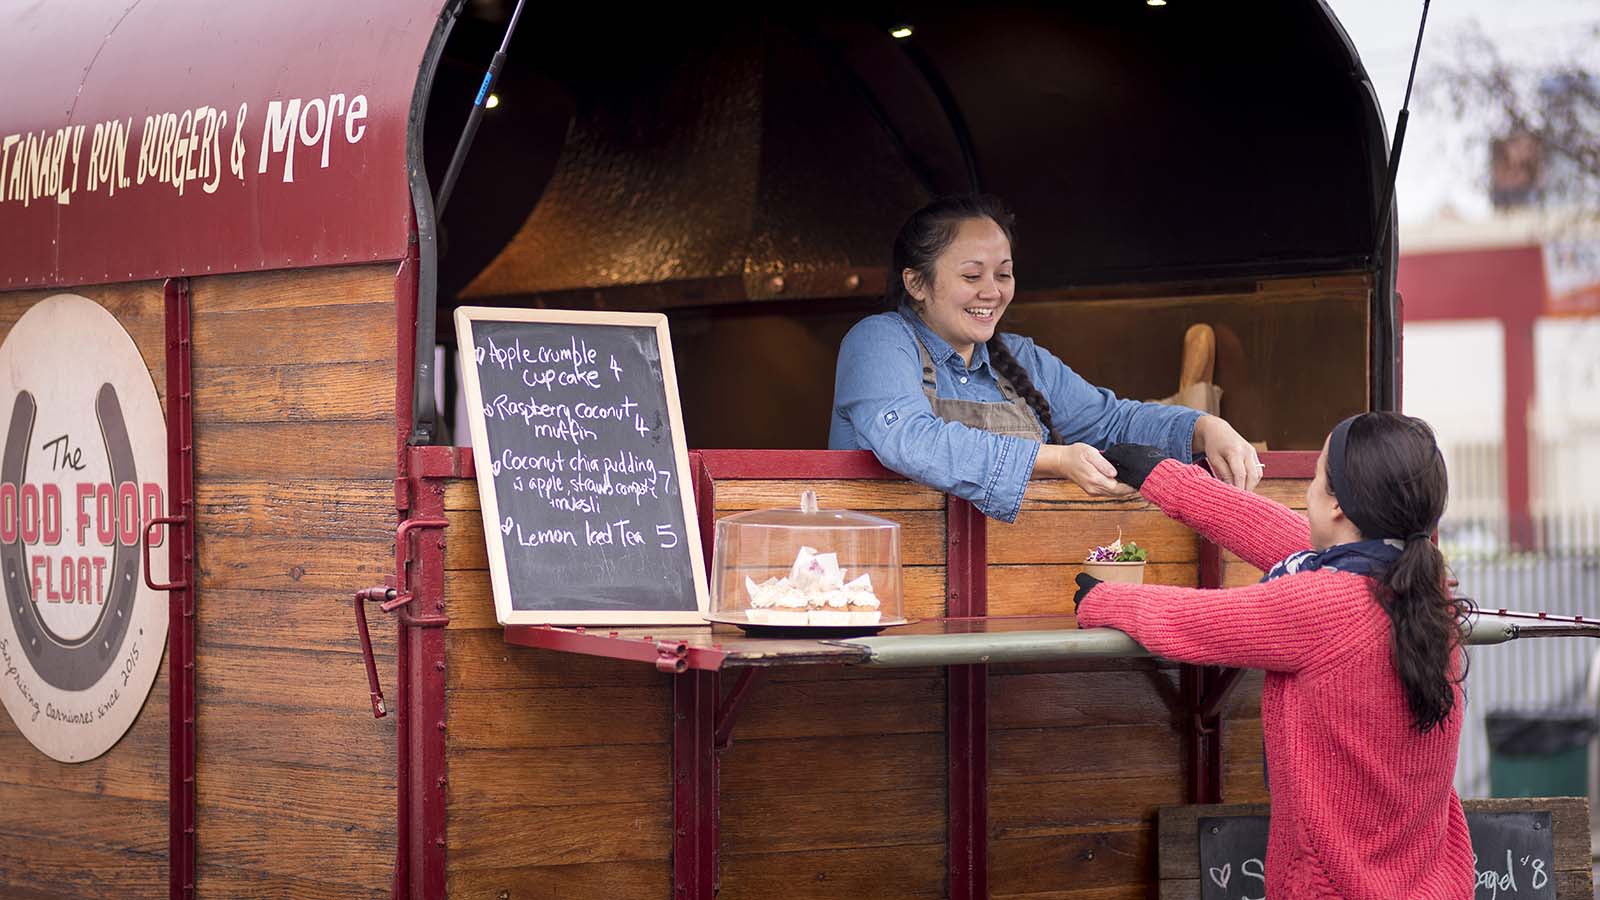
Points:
(75, 664)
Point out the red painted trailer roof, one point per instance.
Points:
(168, 137)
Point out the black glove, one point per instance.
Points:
(1134, 462)
(1086, 583)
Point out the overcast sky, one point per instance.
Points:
(1444, 162)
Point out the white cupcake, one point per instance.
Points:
(760, 599)
(789, 606)
(863, 604)
(865, 611)
(830, 608)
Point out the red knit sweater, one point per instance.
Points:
(1362, 804)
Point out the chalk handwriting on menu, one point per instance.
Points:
(580, 460)
(1518, 863)
(1520, 871)
(1517, 872)
(567, 472)
(1250, 880)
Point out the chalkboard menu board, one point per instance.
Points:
(581, 465)
(1515, 856)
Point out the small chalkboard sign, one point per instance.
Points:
(1515, 845)
(581, 464)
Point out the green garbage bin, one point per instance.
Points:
(1539, 753)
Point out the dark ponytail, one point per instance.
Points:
(1393, 465)
(917, 246)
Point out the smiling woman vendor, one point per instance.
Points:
(943, 398)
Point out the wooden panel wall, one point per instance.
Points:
(560, 766)
(835, 785)
(97, 828)
(1279, 341)
(294, 378)
(1081, 757)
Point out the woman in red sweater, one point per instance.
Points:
(1361, 643)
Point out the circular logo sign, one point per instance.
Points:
(83, 468)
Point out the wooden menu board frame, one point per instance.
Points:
(482, 453)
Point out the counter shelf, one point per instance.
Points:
(972, 640)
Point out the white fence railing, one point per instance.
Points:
(1561, 575)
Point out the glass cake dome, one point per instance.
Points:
(814, 569)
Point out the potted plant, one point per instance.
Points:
(1117, 561)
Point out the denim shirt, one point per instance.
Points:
(879, 405)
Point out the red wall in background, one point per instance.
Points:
(1502, 283)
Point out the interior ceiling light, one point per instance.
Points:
(492, 102)
(900, 33)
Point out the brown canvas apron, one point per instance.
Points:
(1012, 417)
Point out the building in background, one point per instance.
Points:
(1502, 356)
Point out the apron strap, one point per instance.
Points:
(1019, 418)
(929, 385)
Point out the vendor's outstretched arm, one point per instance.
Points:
(1260, 531)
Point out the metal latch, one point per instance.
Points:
(385, 595)
(152, 525)
(389, 600)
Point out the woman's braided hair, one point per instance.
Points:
(929, 232)
(1007, 365)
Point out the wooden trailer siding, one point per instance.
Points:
(835, 784)
(1082, 755)
(295, 431)
(560, 765)
(96, 828)
(1279, 341)
(558, 772)
(91, 829)
(1080, 760)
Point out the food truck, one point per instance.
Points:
(228, 291)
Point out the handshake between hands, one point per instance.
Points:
(1123, 467)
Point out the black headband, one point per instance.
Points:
(1341, 485)
(1341, 489)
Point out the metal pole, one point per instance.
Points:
(1011, 646)
(915, 650)
(448, 183)
(1399, 140)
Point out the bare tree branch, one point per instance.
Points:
(1555, 103)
